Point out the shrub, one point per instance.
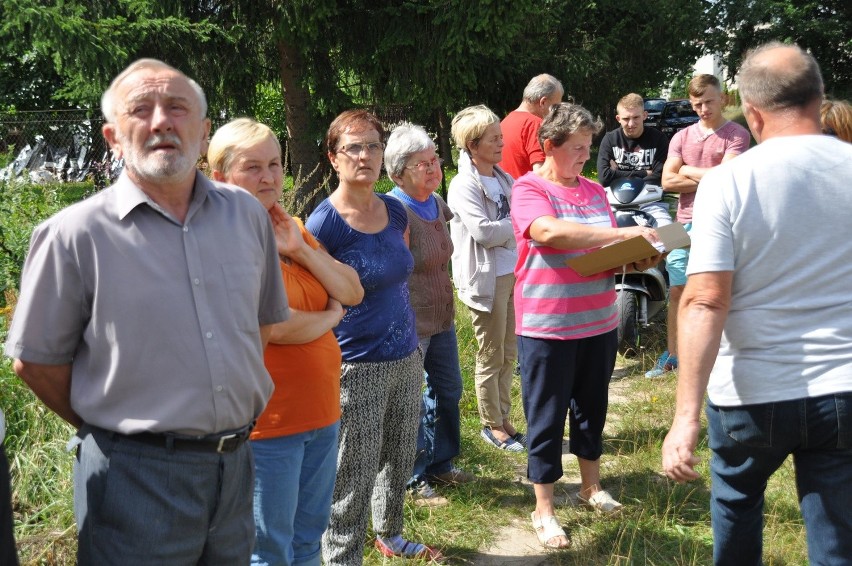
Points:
(22, 207)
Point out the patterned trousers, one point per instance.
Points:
(380, 404)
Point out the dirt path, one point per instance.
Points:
(516, 544)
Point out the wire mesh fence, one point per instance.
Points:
(47, 146)
(52, 145)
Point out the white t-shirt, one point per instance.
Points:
(505, 256)
(779, 217)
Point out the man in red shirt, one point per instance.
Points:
(522, 152)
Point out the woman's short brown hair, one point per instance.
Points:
(351, 121)
(565, 119)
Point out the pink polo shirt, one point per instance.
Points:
(698, 149)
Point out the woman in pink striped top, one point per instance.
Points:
(565, 322)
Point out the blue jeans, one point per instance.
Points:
(749, 443)
(439, 436)
(294, 482)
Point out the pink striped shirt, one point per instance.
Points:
(552, 300)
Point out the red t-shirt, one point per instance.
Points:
(306, 376)
(521, 148)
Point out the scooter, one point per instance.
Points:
(642, 295)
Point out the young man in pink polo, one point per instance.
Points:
(692, 152)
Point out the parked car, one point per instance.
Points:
(677, 115)
(654, 108)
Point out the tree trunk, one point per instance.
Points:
(445, 144)
(445, 147)
(306, 160)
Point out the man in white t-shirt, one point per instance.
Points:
(766, 320)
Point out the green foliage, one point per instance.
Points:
(269, 108)
(822, 27)
(447, 53)
(611, 48)
(8, 156)
(88, 43)
(22, 207)
(679, 88)
(432, 57)
(27, 82)
(450, 53)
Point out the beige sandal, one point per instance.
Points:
(547, 529)
(602, 502)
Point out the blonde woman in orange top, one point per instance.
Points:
(295, 440)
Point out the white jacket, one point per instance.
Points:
(476, 233)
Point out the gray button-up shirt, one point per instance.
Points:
(159, 319)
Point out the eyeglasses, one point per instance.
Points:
(355, 149)
(426, 165)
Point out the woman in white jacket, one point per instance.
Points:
(484, 259)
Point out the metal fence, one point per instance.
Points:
(52, 145)
(67, 145)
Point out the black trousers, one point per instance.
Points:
(8, 553)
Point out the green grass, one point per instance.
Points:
(41, 473)
(663, 523)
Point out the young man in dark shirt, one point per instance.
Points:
(632, 150)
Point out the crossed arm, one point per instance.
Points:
(608, 171)
(469, 207)
(681, 178)
(340, 281)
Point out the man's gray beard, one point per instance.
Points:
(159, 168)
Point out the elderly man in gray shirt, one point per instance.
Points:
(142, 319)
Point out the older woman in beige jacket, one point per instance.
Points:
(483, 266)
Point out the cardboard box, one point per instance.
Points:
(673, 236)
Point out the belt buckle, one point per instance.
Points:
(222, 439)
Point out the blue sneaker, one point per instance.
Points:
(665, 364)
